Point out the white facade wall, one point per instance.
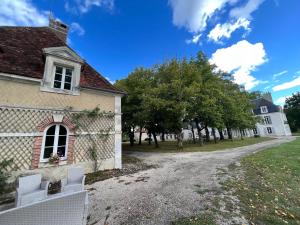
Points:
(278, 124)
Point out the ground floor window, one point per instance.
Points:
(255, 131)
(55, 142)
(269, 129)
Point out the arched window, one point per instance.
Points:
(55, 142)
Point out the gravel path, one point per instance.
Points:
(161, 195)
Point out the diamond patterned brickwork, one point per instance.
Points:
(19, 149)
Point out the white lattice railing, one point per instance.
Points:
(18, 130)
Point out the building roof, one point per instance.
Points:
(263, 102)
(21, 53)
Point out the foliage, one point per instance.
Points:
(83, 125)
(4, 175)
(292, 110)
(54, 159)
(170, 95)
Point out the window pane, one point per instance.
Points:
(51, 130)
(68, 72)
(58, 77)
(57, 84)
(58, 70)
(62, 140)
(47, 152)
(67, 86)
(68, 79)
(62, 130)
(61, 151)
(49, 141)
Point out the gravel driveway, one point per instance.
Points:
(161, 195)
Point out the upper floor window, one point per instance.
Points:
(267, 120)
(55, 142)
(264, 109)
(63, 78)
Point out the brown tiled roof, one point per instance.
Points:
(21, 53)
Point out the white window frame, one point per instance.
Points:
(267, 120)
(270, 128)
(55, 142)
(264, 109)
(63, 78)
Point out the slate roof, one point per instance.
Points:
(21, 53)
(263, 102)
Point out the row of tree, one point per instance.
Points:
(165, 98)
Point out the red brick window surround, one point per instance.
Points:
(38, 142)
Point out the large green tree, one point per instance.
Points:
(292, 110)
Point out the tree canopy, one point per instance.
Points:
(167, 96)
(292, 110)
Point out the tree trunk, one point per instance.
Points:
(155, 140)
(149, 138)
(229, 133)
(193, 133)
(163, 136)
(179, 141)
(207, 137)
(221, 134)
(241, 132)
(140, 137)
(214, 134)
(131, 138)
(199, 132)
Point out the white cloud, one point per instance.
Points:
(279, 74)
(194, 40)
(76, 28)
(21, 13)
(246, 10)
(267, 87)
(83, 6)
(241, 59)
(281, 100)
(225, 30)
(287, 85)
(298, 72)
(193, 14)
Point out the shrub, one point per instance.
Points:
(4, 175)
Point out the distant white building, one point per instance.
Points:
(273, 119)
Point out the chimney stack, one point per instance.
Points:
(60, 29)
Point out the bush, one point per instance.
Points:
(4, 175)
(256, 135)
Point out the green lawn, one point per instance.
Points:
(270, 190)
(169, 146)
(199, 220)
(296, 134)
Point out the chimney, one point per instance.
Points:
(60, 29)
(267, 96)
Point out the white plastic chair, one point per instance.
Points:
(31, 189)
(74, 181)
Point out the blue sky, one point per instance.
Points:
(256, 40)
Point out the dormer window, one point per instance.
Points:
(63, 78)
(62, 71)
(264, 109)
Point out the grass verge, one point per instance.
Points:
(269, 190)
(199, 220)
(170, 146)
